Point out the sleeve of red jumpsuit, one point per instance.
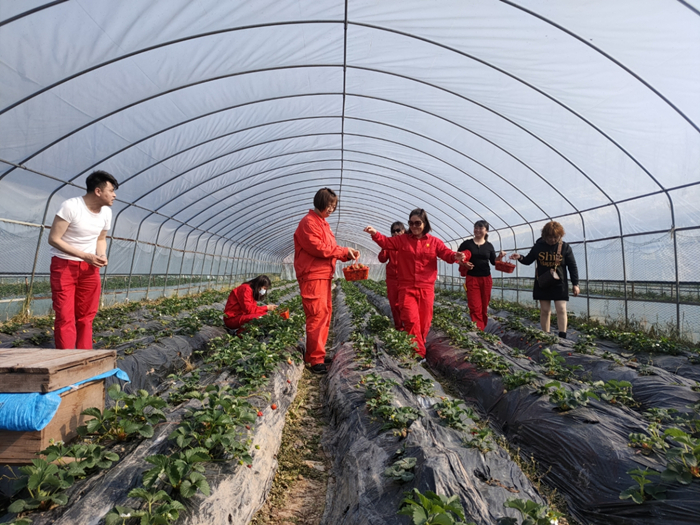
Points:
(383, 256)
(444, 252)
(244, 293)
(311, 241)
(387, 243)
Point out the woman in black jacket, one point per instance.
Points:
(477, 272)
(545, 253)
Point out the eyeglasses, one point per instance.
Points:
(396, 231)
(415, 223)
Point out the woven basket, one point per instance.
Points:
(352, 274)
(505, 267)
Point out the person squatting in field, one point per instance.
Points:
(417, 254)
(242, 305)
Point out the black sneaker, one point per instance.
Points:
(327, 360)
(319, 369)
(562, 335)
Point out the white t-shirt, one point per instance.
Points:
(84, 227)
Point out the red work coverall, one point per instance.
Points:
(417, 265)
(241, 307)
(392, 284)
(315, 255)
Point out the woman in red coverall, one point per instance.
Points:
(392, 275)
(417, 255)
(315, 255)
(242, 306)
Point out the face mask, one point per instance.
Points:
(263, 291)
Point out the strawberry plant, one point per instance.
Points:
(45, 483)
(182, 471)
(132, 414)
(644, 490)
(556, 367)
(432, 509)
(487, 360)
(481, 439)
(400, 470)
(532, 513)
(684, 461)
(585, 344)
(419, 385)
(565, 399)
(519, 378)
(615, 392)
(159, 509)
(654, 442)
(449, 411)
(378, 323)
(86, 457)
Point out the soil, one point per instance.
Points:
(298, 492)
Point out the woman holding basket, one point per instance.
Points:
(554, 257)
(315, 255)
(416, 254)
(477, 272)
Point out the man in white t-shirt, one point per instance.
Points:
(78, 242)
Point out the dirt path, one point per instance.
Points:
(299, 489)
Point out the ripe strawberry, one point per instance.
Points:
(273, 406)
(288, 381)
(247, 427)
(249, 466)
(259, 413)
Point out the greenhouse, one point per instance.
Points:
(218, 123)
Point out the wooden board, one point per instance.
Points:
(21, 447)
(43, 370)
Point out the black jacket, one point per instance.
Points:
(481, 257)
(545, 255)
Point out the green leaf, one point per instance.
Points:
(17, 506)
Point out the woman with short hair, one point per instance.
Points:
(392, 275)
(417, 254)
(315, 255)
(551, 253)
(242, 306)
(477, 272)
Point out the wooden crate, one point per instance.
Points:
(18, 448)
(24, 370)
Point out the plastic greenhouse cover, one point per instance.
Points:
(514, 111)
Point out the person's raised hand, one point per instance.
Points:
(353, 253)
(370, 230)
(501, 255)
(271, 307)
(514, 256)
(459, 256)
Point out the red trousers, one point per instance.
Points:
(318, 306)
(392, 293)
(239, 320)
(75, 290)
(478, 297)
(417, 313)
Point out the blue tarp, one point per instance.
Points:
(29, 412)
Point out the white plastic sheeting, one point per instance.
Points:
(221, 119)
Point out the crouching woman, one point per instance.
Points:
(242, 306)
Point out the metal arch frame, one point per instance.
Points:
(294, 192)
(342, 130)
(293, 208)
(31, 12)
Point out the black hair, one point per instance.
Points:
(99, 179)
(257, 284)
(420, 212)
(325, 197)
(482, 223)
(396, 225)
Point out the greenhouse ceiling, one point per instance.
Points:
(221, 118)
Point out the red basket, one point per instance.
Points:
(505, 267)
(353, 274)
(284, 314)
